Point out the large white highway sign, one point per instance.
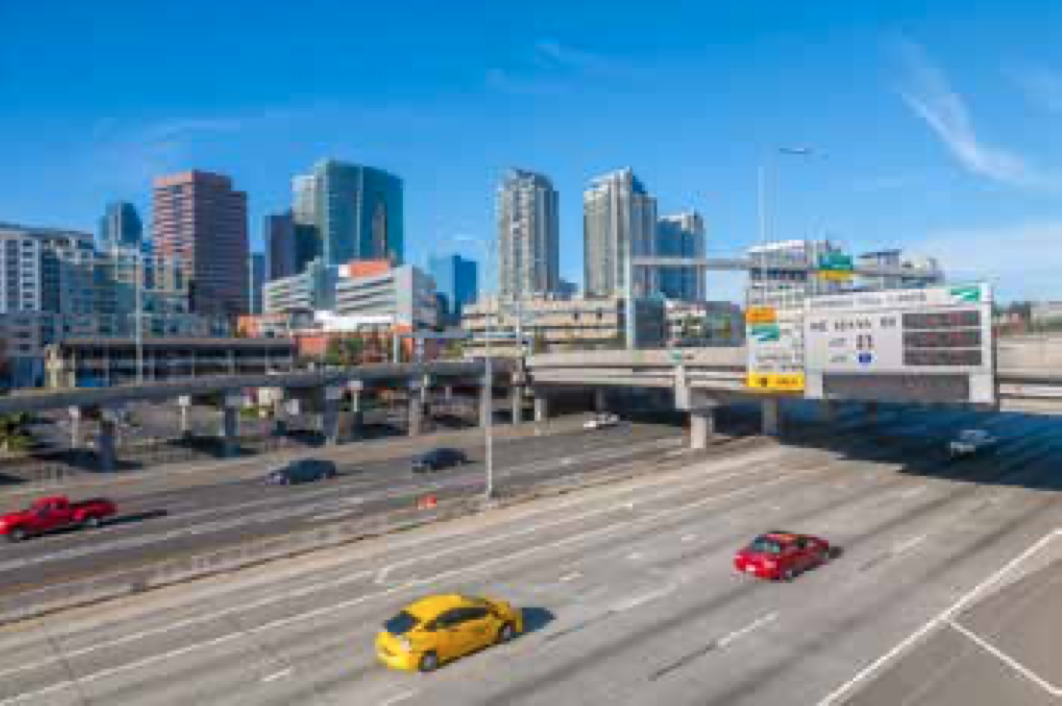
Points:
(920, 345)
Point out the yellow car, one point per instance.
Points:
(439, 629)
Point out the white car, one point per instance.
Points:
(601, 421)
(971, 441)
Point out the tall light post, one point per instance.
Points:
(489, 450)
(762, 208)
(139, 306)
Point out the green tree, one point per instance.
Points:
(14, 432)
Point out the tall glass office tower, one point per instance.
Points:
(620, 221)
(120, 227)
(526, 208)
(356, 210)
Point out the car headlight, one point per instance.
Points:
(405, 643)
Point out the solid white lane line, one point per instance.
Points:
(277, 675)
(570, 577)
(401, 696)
(735, 635)
(381, 572)
(847, 688)
(1011, 662)
(414, 583)
(636, 601)
(909, 544)
(688, 537)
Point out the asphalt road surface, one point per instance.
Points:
(157, 525)
(628, 592)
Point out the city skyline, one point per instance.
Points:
(967, 141)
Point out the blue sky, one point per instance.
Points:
(934, 126)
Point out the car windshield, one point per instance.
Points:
(401, 624)
(764, 545)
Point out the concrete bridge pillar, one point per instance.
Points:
(75, 427)
(771, 416)
(703, 427)
(105, 440)
(541, 408)
(330, 414)
(184, 406)
(231, 423)
(600, 399)
(355, 388)
(517, 395)
(414, 415)
(448, 393)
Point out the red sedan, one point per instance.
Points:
(780, 556)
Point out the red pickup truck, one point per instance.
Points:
(53, 513)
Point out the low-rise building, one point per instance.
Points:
(104, 362)
(559, 324)
(693, 324)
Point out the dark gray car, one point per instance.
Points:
(304, 470)
(437, 459)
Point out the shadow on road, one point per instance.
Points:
(536, 618)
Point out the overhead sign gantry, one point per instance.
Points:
(911, 345)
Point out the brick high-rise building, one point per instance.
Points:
(203, 223)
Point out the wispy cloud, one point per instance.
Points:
(928, 94)
(1021, 259)
(549, 66)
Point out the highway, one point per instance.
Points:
(180, 521)
(629, 593)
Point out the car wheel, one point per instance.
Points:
(17, 535)
(429, 662)
(789, 575)
(506, 633)
(92, 521)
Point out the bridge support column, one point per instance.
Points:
(517, 399)
(75, 427)
(355, 389)
(448, 393)
(231, 424)
(703, 427)
(771, 416)
(184, 406)
(413, 416)
(415, 406)
(330, 415)
(600, 399)
(541, 408)
(105, 440)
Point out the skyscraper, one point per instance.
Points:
(356, 211)
(279, 234)
(526, 207)
(256, 281)
(120, 227)
(202, 222)
(620, 219)
(681, 235)
(456, 281)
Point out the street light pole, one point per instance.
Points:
(139, 323)
(762, 209)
